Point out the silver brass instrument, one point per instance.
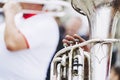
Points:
(70, 63)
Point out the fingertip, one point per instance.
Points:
(76, 35)
(67, 36)
(64, 40)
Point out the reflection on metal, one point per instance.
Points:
(71, 61)
(103, 16)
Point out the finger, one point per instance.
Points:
(78, 38)
(65, 43)
(70, 38)
(86, 48)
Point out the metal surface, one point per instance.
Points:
(103, 16)
(72, 53)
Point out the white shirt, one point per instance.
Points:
(41, 33)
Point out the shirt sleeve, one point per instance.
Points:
(40, 31)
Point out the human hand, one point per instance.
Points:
(75, 39)
(12, 7)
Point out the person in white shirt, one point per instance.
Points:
(27, 44)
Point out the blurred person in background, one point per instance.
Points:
(115, 73)
(60, 44)
(28, 42)
(74, 26)
(1, 18)
(118, 45)
(1, 15)
(61, 33)
(116, 48)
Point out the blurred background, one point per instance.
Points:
(74, 23)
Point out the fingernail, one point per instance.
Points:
(75, 34)
(67, 35)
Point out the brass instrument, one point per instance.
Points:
(70, 63)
